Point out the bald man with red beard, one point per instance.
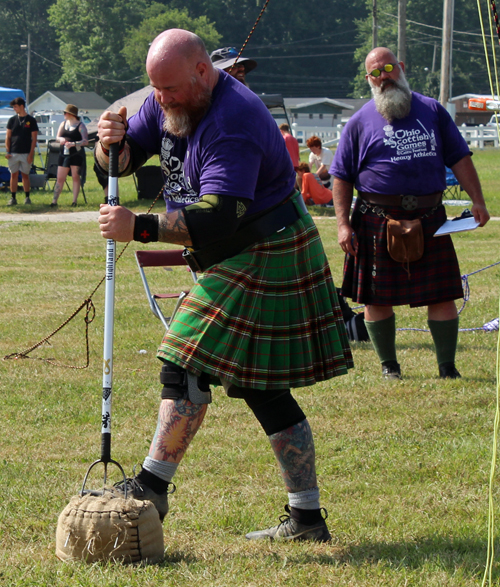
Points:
(264, 316)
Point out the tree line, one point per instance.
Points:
(302, 49)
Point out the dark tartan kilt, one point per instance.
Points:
(372, 277)
(267, 318)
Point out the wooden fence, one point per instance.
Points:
(478, 137)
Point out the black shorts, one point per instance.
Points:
(71, 160)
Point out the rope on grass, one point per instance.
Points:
(88, 302)
(488, 327)
(490, 554)
(89, 317)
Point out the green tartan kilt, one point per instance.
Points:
(267, 318)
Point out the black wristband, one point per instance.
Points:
(146, 228)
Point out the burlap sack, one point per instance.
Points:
(107, 527)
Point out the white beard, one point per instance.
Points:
(392, 98)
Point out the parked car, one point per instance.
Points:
(5, 114)
(492, 122)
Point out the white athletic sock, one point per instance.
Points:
(161, 469)
(305, 500)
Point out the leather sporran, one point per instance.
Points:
(405, 241)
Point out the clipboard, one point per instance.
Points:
(460, 224)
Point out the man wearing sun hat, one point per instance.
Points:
(225, 59)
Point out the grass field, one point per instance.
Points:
(403, 466)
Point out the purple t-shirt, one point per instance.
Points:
(407, 156)
(146, 128)
(237, 149)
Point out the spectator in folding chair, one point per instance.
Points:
(311, 187)
(264, 318)
(320, 159)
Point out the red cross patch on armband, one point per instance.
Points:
(146, 228)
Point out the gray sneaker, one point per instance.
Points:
(289, 529)
(27, 202)
(12, 202)
(138, 490)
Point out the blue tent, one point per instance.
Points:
(8, 94)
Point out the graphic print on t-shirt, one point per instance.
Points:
(410, 143)
(176, 188)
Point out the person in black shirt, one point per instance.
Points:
(20, 142)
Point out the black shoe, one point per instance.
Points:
(290, 529)
(448, 371)
(139, 490)
(53, 205)
(391, 370)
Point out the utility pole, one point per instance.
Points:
(28, 46)
(402, 30)
(374, 25)
(434, 58)
(444, 95)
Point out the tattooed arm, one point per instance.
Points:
(172, 229)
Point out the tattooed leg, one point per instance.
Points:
(57, 192)
(178, 422)
(294, 450)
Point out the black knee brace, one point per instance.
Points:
(275, 410)
(179, 384)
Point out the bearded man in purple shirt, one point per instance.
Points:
(394, 152)
(264, 316)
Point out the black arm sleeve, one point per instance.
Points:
(214, 218)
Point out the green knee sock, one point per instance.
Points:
(383, 336)
(445, 336)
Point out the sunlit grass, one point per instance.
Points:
(403, 466)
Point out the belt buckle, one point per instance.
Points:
(409, 203)
(363, 208)
(379, 211)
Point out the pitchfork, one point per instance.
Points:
(109, 312)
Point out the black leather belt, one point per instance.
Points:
(405, 202)
(276, 219)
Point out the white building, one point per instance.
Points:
(88, 103)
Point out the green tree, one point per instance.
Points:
(302, 49)
(157, 18)
(91, 35)
(20, 18)
(423, 50)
